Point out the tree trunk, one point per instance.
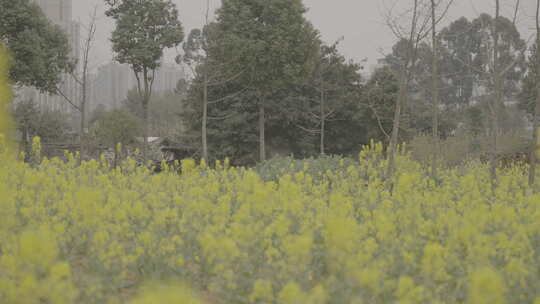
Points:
(205, 118)
(533, 158)
(115, 159)
(323, 120)
(83, 113)
(435, 90)
(396, 125)
(145, 100)
(497, 101)
(204, 135)
(145, 130)
(26, 141)
(262, 147)
(84, 84)
(404, 76)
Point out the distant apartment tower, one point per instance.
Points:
(113, 82)
(111, 85)
(167, 77)
(60, 13)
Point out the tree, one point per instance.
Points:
(527, 95)
(230, 122)
(458, 48)
(81, 104)
(410, 59)
(98, 112)
(503, 59)
(144, 29)
(410, 35)
(6, 124)
(379, 100)
(115, 127)
(42, 54)
(50, 126)
(332, 87)
(87, 47)
(486, 53)
(270, 44)
(196, 57)
(25, 114)
(164, 112)
(40, 51)
(497, 99)
(417, 112)
(207, 72)
(534, 145)
(466, 58)
(435, 81)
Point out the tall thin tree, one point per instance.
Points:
(204, 122)
(413, 34)
(404, 79)
(87, 47)
(534, 145)
(144, 29)
(498, 72)
(80, 103)
(435, 89)
(208, 73)
(435, 82)
(497, 99)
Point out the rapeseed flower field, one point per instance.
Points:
(75, 232)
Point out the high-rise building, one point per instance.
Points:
(167, 77)
(60, 13)
(111, 85)
(113, 82)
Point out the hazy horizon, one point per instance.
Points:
(360, 23)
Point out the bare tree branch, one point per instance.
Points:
(240, 92)
(311, 131)
(225, 81)
(67, 99)
(516, 10)
(221, 117)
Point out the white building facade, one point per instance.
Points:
(113, 82)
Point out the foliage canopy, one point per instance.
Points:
(40, 52)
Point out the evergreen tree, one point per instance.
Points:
(39, 49)
(271, 45)
(527, 96)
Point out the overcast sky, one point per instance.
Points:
(360, 22)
